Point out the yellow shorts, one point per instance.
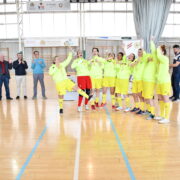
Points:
(164, 88)
(96, 83)
(122, 86)
(109, 81)
(63, 86)
(137, 86)
(148, 89)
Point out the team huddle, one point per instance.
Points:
(149, 73)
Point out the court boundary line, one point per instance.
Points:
(128, 166)
(28, 159)
(78, 150)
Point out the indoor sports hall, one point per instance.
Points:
(90, 90)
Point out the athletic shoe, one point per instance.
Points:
(44, 97)
(25, 97)
(79, 109)
(17, 97)
(127, 109)
(113, 107)
(93, 107)
(61, 111)
(140, 112)
(150, 117)
(96, 104)
(86, 107)
(175, 100)
(171, 97)
(9, 98)
(34, 97)
(103, 104)
(119, 108)
(146, 113)
(134, 109)
(164, 121)
(158, 118)
(90, 96)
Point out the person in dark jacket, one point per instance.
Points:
(5, 66)
(175, 79)
(20, 67)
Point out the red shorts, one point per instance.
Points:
(84, 82)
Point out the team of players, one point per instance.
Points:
(149, 73)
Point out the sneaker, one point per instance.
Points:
(34, 97)
(127, 109)
(97, 104)
(171, 97)
(17, 97)
(103, 104)
(164, 121)
(140, 112)
(93, 107)
(90, 96)
(113, 107)
(175, 100)
(9, 98)
(44, 97)
(119, 108)
(158, 118)
(79, 109)
(150, 117)
(86, 107)
(146, 113)
(25, 97)
(134, 109)
(61, 111)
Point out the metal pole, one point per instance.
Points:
(19, 10)
(81, 26)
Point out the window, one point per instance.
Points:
(35, 25)
(12, 31)
(3, 31)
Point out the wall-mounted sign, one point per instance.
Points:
(132, 46)
(52, 42)
(43, 6)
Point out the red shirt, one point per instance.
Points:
(3, 67)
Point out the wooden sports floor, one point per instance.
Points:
(36, 143)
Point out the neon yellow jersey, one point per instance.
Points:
(96, 67)
(110, 68)
(81, 66)
(163, 75)
(58, 73)
(150, 69)
(123, 69)
(139, 67)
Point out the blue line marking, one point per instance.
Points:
(31, 154)
(120, 146)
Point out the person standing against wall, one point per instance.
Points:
(175, 79)
(20, 67)
(5, 66)
(38, 65)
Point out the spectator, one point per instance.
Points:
(175, 79)
(38, 66)
(5, 66)
(20, 67)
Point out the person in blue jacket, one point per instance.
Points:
(38, 65)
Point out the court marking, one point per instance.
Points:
(28, 159)
(23, 168)
(77, 156)
(128, 166)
